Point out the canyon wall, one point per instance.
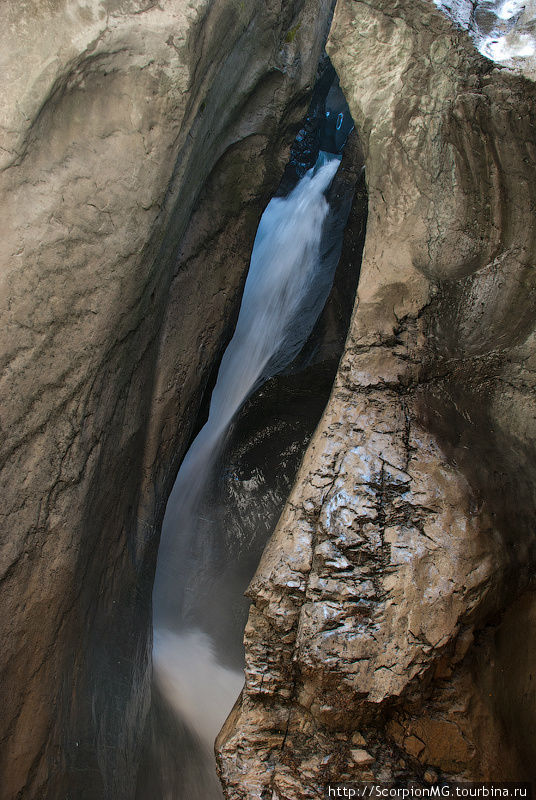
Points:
(384, 637)
(140, 142)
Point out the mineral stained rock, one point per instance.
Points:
(139, 144)
(378, 645)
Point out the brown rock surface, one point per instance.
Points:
(139, 144)
(411, 521)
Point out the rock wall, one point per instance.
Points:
(377, 645)
(140, 141)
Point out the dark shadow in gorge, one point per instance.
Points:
(257, 468)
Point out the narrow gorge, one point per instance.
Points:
(367, 479)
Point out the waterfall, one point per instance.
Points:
(283, 296)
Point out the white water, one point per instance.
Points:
(280, 305)
(198, 688)
(503, 30)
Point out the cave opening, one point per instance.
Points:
(236, 494)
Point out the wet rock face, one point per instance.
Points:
(140, 142)
(375, 631)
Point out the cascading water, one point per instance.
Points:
(284, 293)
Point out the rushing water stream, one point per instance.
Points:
(284, 293)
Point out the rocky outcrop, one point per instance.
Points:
(140, 142)
(376, 644)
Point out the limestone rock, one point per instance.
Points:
(361, 757)
(430, 776)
